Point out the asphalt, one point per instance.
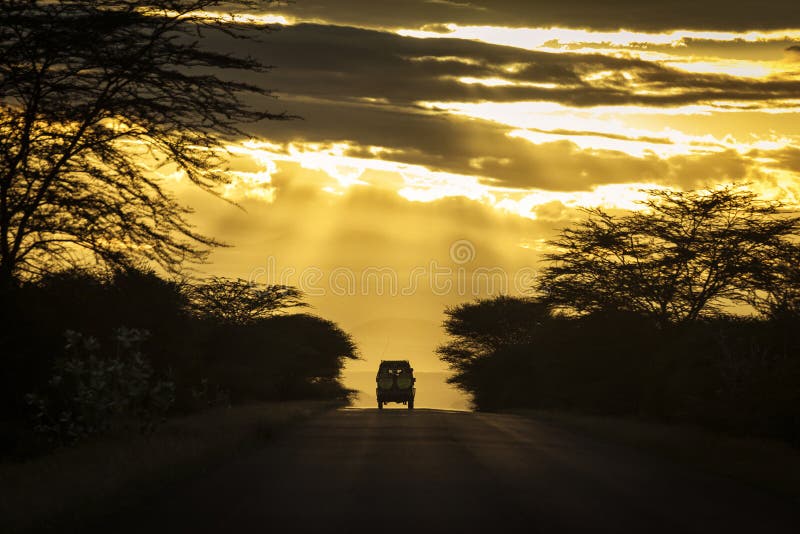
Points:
(361, 470)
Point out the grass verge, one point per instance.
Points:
(770, 465)
(66, 489)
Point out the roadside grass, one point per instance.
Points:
(71, 487)
(770, 465)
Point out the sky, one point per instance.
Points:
(442, 143)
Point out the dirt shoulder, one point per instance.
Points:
(66, 489)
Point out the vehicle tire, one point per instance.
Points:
(380, 405)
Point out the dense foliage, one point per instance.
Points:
(630, 320)
(91, 391)
(735, 374)
(85, 352)
(682, 256)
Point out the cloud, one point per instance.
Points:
(364, 227)
(456, 145)
(363, 87)
(460, 5)
(787, 158)
(351, 63)
(481, 148)
(361, 91)
(629, 14)
(706, 170)
(793, 53)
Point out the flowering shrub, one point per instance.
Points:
(92, 392)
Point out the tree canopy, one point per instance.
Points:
(482, 327)
(241, 302)
(95, 98)
(685, 254)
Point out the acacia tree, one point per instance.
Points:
(479, 329)
(775, 288)
(683, 255)
(97, 95)
(241, 302)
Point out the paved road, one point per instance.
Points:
(435, 471)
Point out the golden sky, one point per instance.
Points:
(431, 125)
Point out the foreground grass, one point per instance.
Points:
(770, 465)
(64, 490)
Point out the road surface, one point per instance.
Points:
(415, 471)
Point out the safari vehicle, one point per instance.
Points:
(395, 383)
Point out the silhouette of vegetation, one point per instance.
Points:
(86, 352)
(682, 256)
(99, 100)
(97, 97)
(89, 393)
(484, 328)
(775, 287)
(241, 302)
(630, 320)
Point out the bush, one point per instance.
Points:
(102, 379)
(739, 375)
(92, 393)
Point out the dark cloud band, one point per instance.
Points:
(619, 14)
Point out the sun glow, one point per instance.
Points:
(533, 38)
(417, 183)
(256, 19)
(420, 184)
(613, 196)
(603, 128)
(624, 43)
(502, 82)
(742, 69)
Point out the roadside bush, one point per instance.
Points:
(92, 393)
(736, 374)
(102, 379)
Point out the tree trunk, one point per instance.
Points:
(7, 280)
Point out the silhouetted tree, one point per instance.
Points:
(775, 287)
(319, 349)
(481, 328)
(96, 96)
(281, 357)
(683, 255)
(241, 302)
